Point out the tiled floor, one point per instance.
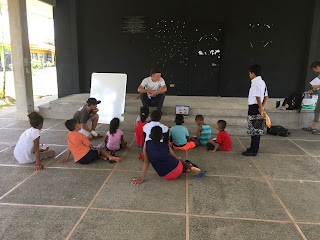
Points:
(272, 196)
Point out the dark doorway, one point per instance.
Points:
(189, 55)
(205, 58)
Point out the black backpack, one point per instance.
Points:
(293, 101)
(278, 131)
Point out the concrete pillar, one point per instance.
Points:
(21, 58)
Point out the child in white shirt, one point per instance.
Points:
(27, 149)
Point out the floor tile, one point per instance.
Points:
(54, 137)
(128, 225)
(132, 162)
(11, 176)
(47, 123)
(210, 228)
(311, 147)
(293, 167)
(300, 198)
(303, 135)
(10, 136)
(59, 187)
(312, 232)
(37, 223)
(154, 194)
(7, 122)
(59, 126)
(234, 197)
(7, 115)
(3, 146)
(223, 163)
(276, 146)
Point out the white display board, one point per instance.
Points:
(110, 88)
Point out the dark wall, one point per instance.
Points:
(103, 47)
(65, 27)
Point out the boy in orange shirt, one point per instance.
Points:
(81, 148)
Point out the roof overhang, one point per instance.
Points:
(40, 7)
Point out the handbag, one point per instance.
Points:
(256, 125)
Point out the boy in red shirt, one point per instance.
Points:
(81, 148)
(223, 140)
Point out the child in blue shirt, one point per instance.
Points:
(164, 161)
(179, 136)
(203, 132)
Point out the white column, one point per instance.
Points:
(21, 58)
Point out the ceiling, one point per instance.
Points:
(38, 7)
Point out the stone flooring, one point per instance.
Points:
(272, 196)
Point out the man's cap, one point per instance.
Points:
(93, 101)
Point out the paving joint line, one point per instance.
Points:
(276, 195)
(12, 189)
(305, 151)
(156, 212)
(96, 196)
(187, 209)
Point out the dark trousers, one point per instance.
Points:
(255, 140)
(156, 101)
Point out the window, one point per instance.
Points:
(47, 57)
(34, 56)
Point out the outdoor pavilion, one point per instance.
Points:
(272, 196)
(220, 40)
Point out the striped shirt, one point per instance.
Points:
(205, 134)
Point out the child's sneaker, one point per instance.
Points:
(315, 132)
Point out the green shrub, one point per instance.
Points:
(36, 64)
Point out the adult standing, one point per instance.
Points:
(152, 90)
(257, 100)
(315, 66)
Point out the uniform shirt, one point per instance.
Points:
(114, 140)
(205, 134)
(148, 84)
(224, 141)
(258, 89)
(179, 135)
(24, 150)
(160, 158)
(82, 116)
(78, 145)
(147, 129)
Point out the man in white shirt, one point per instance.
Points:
(152, 90)
(257, 100)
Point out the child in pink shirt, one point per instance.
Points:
(114, 138)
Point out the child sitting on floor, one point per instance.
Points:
(163, 159)
(155, 121)
(223, 140)
(27, 149)
(114, 138)
(143, 110)
(144, 115)
(203, 132)
(179, 136)
(81, 148)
